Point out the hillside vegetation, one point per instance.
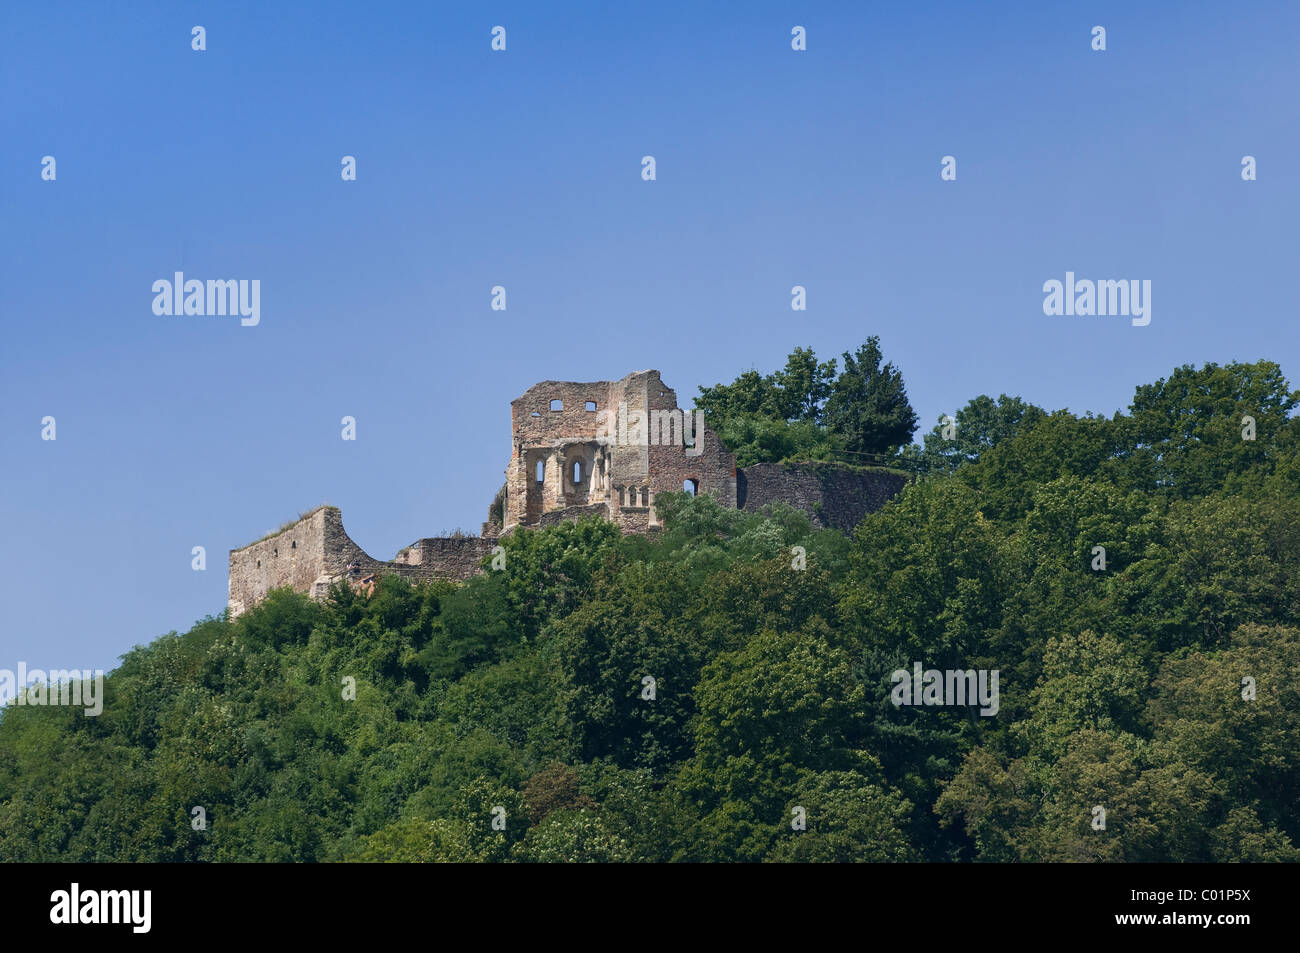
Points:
(509, 718)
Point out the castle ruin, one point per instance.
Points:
(606, 448)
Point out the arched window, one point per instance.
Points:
(577, 472)
(541, 471)
(690, 486)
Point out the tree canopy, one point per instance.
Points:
(722, 691)
(807, 411)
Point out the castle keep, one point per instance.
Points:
(609, 447)
(605, 448)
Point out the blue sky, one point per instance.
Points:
(522, 169)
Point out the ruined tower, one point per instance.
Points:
(608, 447)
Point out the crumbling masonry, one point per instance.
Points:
(606, 448)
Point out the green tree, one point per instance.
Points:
(868, 404)
(573, 836)
(848, 820)
(981, 425)
(1187, 429)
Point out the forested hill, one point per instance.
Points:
(704, 694)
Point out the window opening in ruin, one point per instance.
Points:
(536, 413)
(690, 486)
(591, 405)
(541, 472)
(577, 472)
(557, 404)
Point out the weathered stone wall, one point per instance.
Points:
(315, 552)
(624, 438)
(836, 496)
(445, 557)
(556, 439)
(574, 514)
(534, 422)
(712, 471)
(296, 557)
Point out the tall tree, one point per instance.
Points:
(868, 403)
(1190, 431)
(978, 427)
(803, 385)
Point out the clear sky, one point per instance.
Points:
(523, 169)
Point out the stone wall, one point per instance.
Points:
(712, 471)
(573, 514)
(446, 557)
(612, 443)
(312, 553)
(836, 496)
(554, 424)
(296, 556)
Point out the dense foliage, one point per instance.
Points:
(520, 697)
(806, 412)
